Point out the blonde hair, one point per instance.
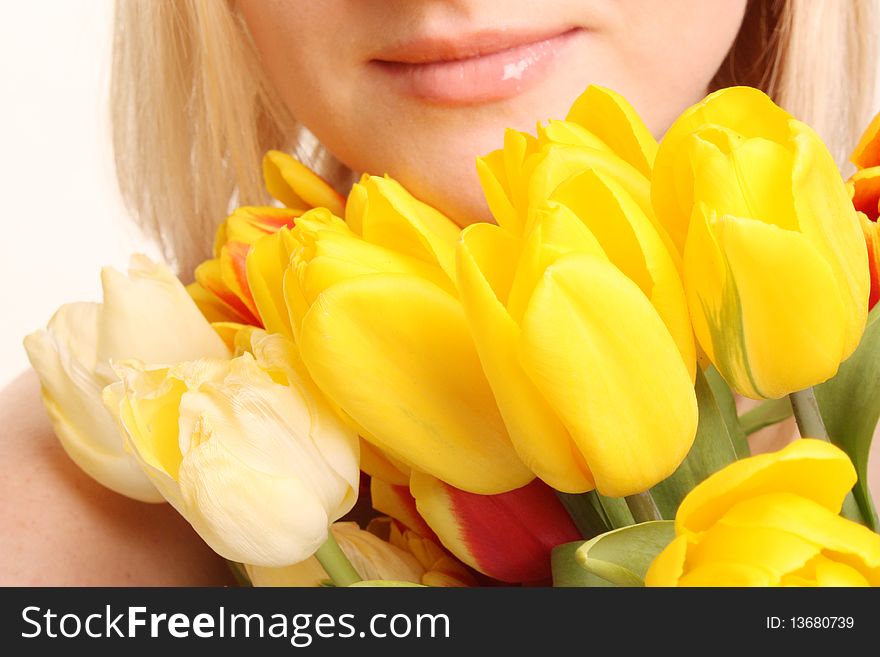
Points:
(193, 112)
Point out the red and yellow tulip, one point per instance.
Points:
(507, 536)
(222, 289)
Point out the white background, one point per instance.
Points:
(61, 218)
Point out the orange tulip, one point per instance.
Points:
(864, 186)
(222, 290)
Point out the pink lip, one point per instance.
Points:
(484, 67)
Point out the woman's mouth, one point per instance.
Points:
(480, 68)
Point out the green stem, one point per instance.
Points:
(585, 512)
(810, 425)
(807, 415)
(643, 507)
(337, 565)
(765, 414)
(239, 573)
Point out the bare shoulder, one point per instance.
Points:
(62, 528)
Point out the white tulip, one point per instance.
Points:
(147, 315)
(245, 449)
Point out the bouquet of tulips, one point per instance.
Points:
(358, 391)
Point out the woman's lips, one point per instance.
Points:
(485, 67)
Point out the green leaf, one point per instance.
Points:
(713, 448)
(727, 406)
(620, 557)
(567, 572)
(766, 414)
(850, 406)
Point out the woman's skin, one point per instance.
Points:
(414, 89)
(62, 528)
(417, 89)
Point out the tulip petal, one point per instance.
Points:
(743, 177)
(507, 536)
(867, 151)
(338, 257)
(220, 503)
(380, 467)
(790, 331)
(745, 111)
(297, 186)
(209, 276)
(727, 574)
(442, 569)
(633, 243)
(871, 231)
(233, 273)
(249, 223)
(797, 516)
(604, 208)
(212, 307)
(832, 573)
(553, 231)
(485, 262)
(558, 163)
(356, 205)
(518, 165)
(64, 356)
(403, 330)
(490, 169)
(240, 448)
(866, 192)
(266, 264)
(395, 219)
(585, 338)
(770, 547)
(571, 134)
(668, 566)
(609, 116)
(829, 221)
(814, 469)
(398, 503)
(142, 309)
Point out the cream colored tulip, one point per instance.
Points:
(147, 315)
(246, 449)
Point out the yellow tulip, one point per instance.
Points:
(583, 331)
(775, 265)
(602, 132)
(368, 554)
(373, 307)
(771, 520)
(245, 449)
(146, 315)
